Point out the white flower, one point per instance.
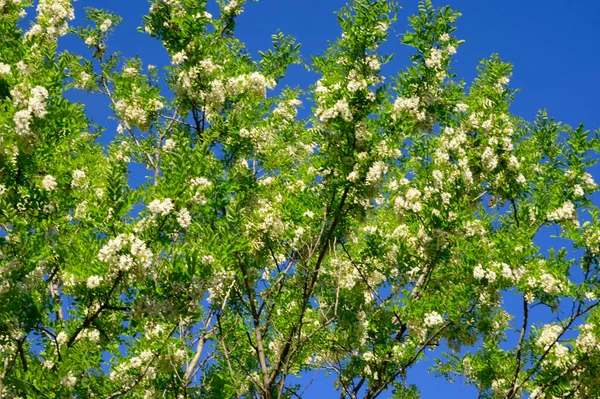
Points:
(4, 69)
(376, 171)
(200, 182)
(184, 218)
(208, 259)
(105, 25)
(161, 207)
(78, 178)
(90, 41)
(93, 282)
(433, 319)
(69, 380)
(489, 160)
(461, 107)
(435, 59)
(178, 58)
(22, 119)
(410, 105)
(2, 189)
(309, 214)
(49, 183)
(61, 338)
(479, 272)
(48, 364)
(80, 210)
(549, 336)
(565, 212)
(169, 145)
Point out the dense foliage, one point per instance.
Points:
(393, 219)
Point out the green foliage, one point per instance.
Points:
(391, 221)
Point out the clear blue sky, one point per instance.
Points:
(554, 47)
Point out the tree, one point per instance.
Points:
(389, 221)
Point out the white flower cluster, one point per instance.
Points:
(411, 201)
(548, 336)
(433, 319)
(356, 81)
(408, 105)
(199, 184)
(80, 211)
(184, 218)
(178, 58)
(489, 160)
(68, 380)
(106, 24)
(94, 282)
(136, 111)
(435, 58)
(4, 70)
(376, 171)
(288, 109)
(120, 373)
(233, 8)
(162, 208)
(33, 103)
(588, 181)
(220, 280)
(341, 108)
(78, 178)
(254, 83)
(52, 18)
(480, 273)
(270, 219)
(115, 254)
(565, 212)
(587, 341)
(169, 145)
(90, 334)
(49, 183)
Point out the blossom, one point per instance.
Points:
(114, 252)
(163, 207)
(169, 145)
(489, 160)
(105, 25)
(549, 336)
(69, 380)
(4, 69)
(435, 59)
(78, 178)
(178, 58)
(402, 104)
(184, 218)
(376, 171)
(93, 282)
(208, 259)
(49, 183)
(61, 338)
(433, 319)
(461, 107)
(22, 120)
(565, 212)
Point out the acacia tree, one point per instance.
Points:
(389, 221)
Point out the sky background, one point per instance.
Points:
(554, 47)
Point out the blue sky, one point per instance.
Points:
(552, 44)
